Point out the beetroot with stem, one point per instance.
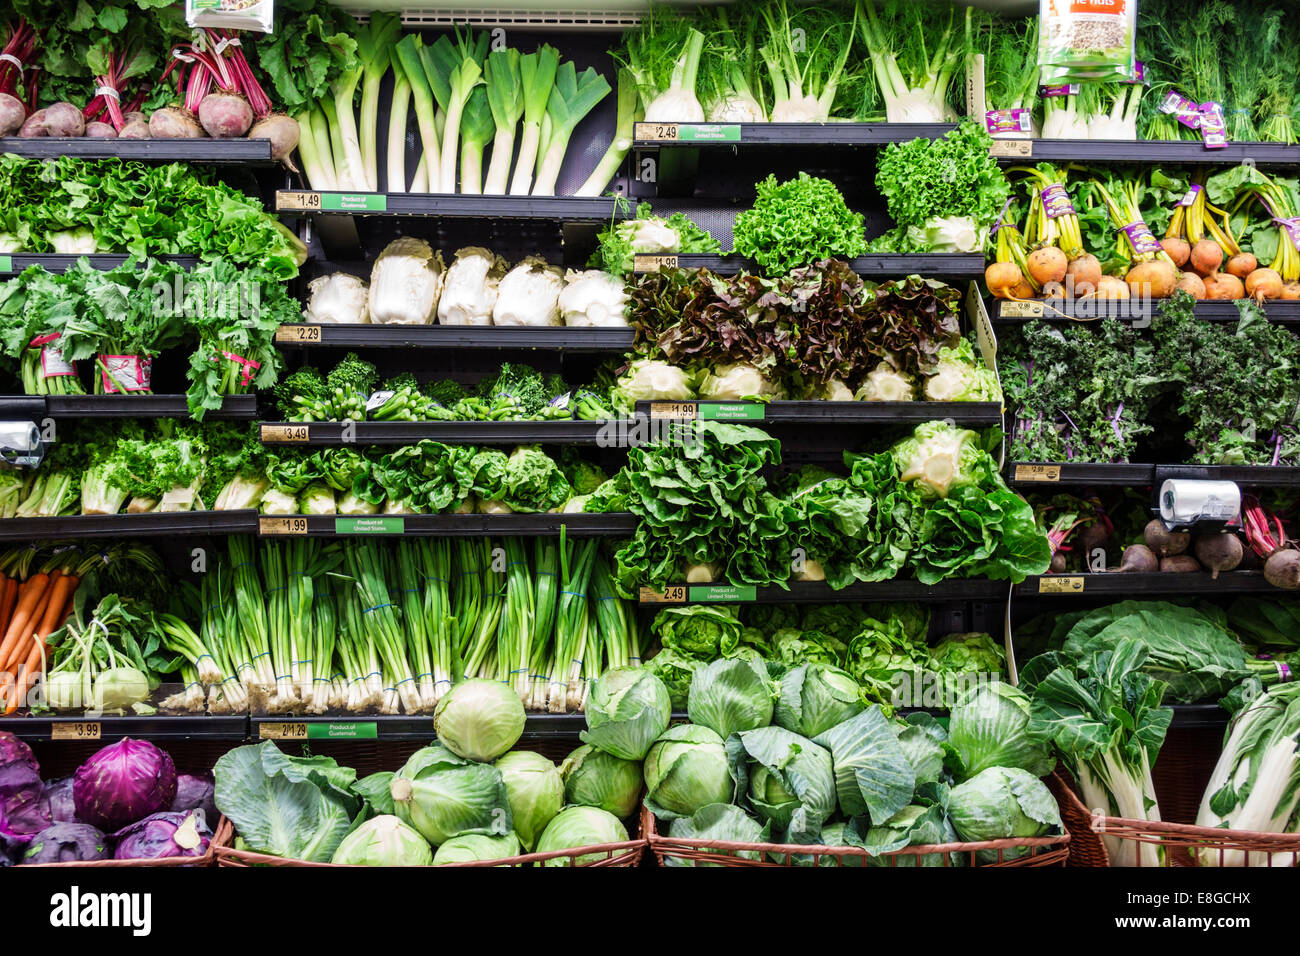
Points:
(33, 126)
(135, 127)
(179, 122)
(281, 130)
(12, 114)
(1138, 558)
(1218, 552)
(18, 49)
(99, 130)
(223, 113)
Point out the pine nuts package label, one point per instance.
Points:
(1088, 35)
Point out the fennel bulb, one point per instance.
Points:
(593, 298)
(678, 102)
(469, 293)
(405, 283)
(529, 294)
(338, 298)
(736, 107)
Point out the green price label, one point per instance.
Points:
(6, 264)
(366, 730)
(369, 525)
(718, 593)
(354, 202)
(709, 133)
(732, 411)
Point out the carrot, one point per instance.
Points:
(29, 596)
(60, 595)
(26, 675)
(8, 597)
(18, 653)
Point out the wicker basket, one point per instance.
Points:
(1034, 851)
(209, 857)
(1178, 841)
(627, 853)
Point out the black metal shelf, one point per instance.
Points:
(1199, 715)
(320, 434)
(207, 151)
(514, 338)
(1282, 311)
(15, 262)
(453, 525)
(1145, 151)
(1141, 584)
(233, 407)
(931, 265)
(446, 205)
(1261, 476)
(1040, 474)
(537, 726)
(662, 135)
(129, 526)
(981, 414)
(818, 592)
(107, 730)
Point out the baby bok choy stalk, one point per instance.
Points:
(1254, 785)
(505, 93)
(537, 76)
(628, 113)
(574, 96)
(1103, 714)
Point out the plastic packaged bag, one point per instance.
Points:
(1086, 39)
(257, 15)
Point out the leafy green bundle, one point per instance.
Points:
(798, 223)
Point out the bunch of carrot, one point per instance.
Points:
(35, 599)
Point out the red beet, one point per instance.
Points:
(225, 116)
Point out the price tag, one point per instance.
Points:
(1012, 148)
(75, 730)
(286, 433)
(290, 200)
(1037, 473)
(6, 264)
(719, 593)
(672, 595)
(648, 263)
(369, 525)
(277, 525)
(655, 132)
(282, 731)
(1058, 585)
(1020, 310)
(732, 411)
(676, 411)
(298, 334)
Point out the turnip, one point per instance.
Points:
(1002, 279)
(1242, 265)
(99, 130)
(135, 127)
(1047, 264)
(1207, 256)
(282, 131)
(1138, 558)
(33, 126)
(1153, 279)
(1291, 290)
(1264, 284)
(1163, 542)
(1179, 564)
(12, 114)
(1023, 291)
(1084, 273)
(225, 115)
(1191, 283)
(173, 122)
(1218, 552)
(1282, 569)
(1176, 248)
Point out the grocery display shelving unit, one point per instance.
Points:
(720, 164)
(15, 262)
(1006, 312)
